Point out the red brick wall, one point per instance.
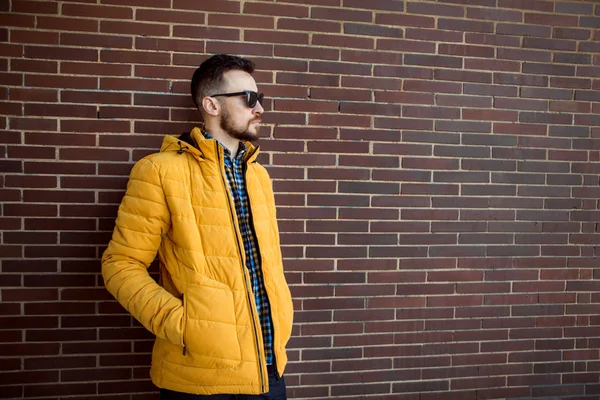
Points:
(436, 169)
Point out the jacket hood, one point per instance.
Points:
(195, 143)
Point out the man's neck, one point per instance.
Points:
(231, 144)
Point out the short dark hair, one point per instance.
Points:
(208, 77)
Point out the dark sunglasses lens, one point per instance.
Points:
(260, 98)
(253, 97)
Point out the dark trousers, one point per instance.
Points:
(276, 392)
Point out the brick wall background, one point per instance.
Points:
(436, 168)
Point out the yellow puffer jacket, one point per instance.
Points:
(208, 335)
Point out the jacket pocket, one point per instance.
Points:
(287, 314)
(210, 329)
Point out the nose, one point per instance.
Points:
(258, 108)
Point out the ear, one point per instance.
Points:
(211, 106)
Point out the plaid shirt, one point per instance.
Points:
(234, 169)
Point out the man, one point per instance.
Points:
(222, 314)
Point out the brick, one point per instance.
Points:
(82, 68)
(132, 112)
(384, 5)
(586, 120)
(433, 87)
(224, 6)
(409, 46)
(536, 43)
(406, 97)
(538, 117)
(588, 71)
(326, 40)
(520, 104)
(492, 39)
(543, 93)
(430, 112)
(309, 25)
(462, 151)
(552, 20)
(340, 14)
(570, 33)
(569, 58)
(463, 126)
(308, 79)
(28, 95)
(466, 50)
(30, 152)
(24, 21)
(296, 51)
(67, 24)
(435, 9)
(591, 47)
(59, 389)
(133, 28)
(462, 76)
(433, 35)
(37, 7)
(494, 15)
(549, 69)
(407, 20)
(403, 123)
(339, 120)
(240, 48)
(574, 8)
(462, 25)
(30, 181)
(81, 10)
(435, 61)
(461, 100)
(91, 40)
(589, 22)
(59, 168)
(67, 82)
(570, 83)
(378, 57)
(282, 10)
(11, 79)
(136, 57)
(524, 30)
(490, 90)
(430, 137)
(59, 110)
(489, 115)
(182, 17)
(33, 37)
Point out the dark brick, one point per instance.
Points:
(372, 30)
(462, 25)
(524, 30)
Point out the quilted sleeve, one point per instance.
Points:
(142, 221)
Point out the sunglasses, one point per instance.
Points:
(251, 97)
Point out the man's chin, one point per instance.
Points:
(252, 132)
(250, 135)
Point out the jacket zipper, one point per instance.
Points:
(231, 213)
(184, 324)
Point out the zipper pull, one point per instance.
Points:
(184, 347)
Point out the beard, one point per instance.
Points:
(237, 132)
